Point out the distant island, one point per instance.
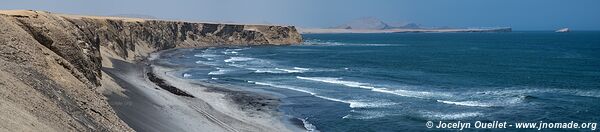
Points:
(375, 25)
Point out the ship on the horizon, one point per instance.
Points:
(563, 30)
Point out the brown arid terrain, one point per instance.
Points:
(51, 76)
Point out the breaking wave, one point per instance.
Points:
(365, 114)
(466, 103)
(490, 102)
(219, 71)
(238, 59)
(352, 103)
(277, 70)
(186, 75)
(405, 93)
(309, 127)
(450, 116)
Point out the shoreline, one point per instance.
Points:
(208, 108)
(61, 74)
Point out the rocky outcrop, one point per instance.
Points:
(50, 64)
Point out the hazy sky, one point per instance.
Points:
(519, 14)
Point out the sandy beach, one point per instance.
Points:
(65, 72)
(146, 106)
(299, 66)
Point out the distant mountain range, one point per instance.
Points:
(373, 23)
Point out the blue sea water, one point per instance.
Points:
(399, 81)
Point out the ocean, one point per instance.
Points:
(399, 81)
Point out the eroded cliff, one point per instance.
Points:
(50, 64)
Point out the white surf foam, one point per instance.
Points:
(185, 75)
(337, 81)
(276, 70)
(368, 104)
(353, 103)
(466, 103)
(238, 59)
(283, 86)
(489, 101)
(233, 51)
(532, 91)
(309, 127)
(414, 94)
(201, 62)
(206, 55)
(207, 63)
(262, 66)
(219, 71)
(266, 70)
(450, 116)
(240, 49)
(357, 103)
(229, 52)
(320, 43)
(365, 114)
(405, 93)
(290, 70)
(587, 93)
(303, 69)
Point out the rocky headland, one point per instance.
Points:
(53, 66)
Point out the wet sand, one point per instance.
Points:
(147, 106)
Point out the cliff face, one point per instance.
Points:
(50, 64)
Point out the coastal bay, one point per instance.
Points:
(299, 65)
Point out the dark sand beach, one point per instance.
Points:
(146, 106)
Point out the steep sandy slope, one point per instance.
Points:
(50, 64)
